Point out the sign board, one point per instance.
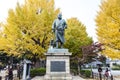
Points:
(57, 66)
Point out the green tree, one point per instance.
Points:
(28, 28)
(108, 27)
(76, 37)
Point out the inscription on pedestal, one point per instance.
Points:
(57, 66)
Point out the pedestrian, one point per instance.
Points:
(0, 68)
(108, 74)
(0, 77)
(6, 73)
(100, 71)
(10, 74)
(19, 71)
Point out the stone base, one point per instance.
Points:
(58, 65)
(58, 77)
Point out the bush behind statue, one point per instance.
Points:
(116, 67)
(37, 72)
(74, 71)
(86, 73)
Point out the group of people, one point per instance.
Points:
(107, 74)
(9, 72)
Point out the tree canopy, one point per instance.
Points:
(28, 28)
(108, 27)
(76, 36)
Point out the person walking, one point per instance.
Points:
(6, 73)
(100, 71)
(10, 74)
(19, 71)
(108, 74)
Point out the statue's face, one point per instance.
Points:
(60, 16)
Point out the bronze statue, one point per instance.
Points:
(58, 27)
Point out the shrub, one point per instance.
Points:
(82, 71)
(74, 71)
(37, 72)
(116, 68)
(86, 73)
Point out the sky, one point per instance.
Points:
(84, 10)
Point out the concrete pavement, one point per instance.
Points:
(42, 78)
(115, 73)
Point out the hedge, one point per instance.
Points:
(86, 73)
(37, 72)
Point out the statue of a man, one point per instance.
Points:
(58, 27)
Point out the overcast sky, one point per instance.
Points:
(84, 10)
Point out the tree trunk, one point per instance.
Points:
(78, 68)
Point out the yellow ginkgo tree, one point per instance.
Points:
(108, 27)
(28, 28)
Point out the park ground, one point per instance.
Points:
(2, 73)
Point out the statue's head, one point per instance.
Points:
(59, 16)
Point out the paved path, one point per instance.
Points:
(74, 78)
(42, 78)
(77, 78)
(2, 73)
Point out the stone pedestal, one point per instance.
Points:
(58, 65)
